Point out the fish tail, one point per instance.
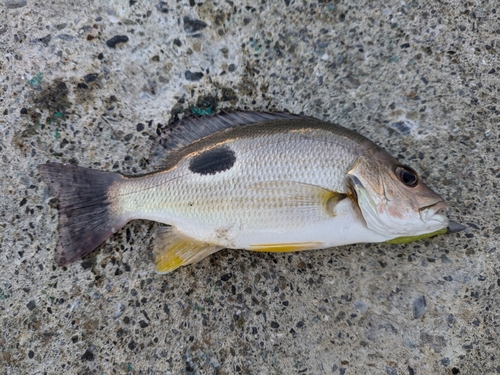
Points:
(86, 214)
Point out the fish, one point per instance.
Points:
(264, 182)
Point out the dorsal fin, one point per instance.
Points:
(190, 129)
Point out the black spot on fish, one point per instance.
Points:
(212, 161)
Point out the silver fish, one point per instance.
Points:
(246, 180)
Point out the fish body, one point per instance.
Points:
(245, 180)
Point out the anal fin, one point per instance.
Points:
(173, 250)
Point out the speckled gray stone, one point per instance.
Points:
(14, 4)
(66, 96)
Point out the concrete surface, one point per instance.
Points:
(419, 78)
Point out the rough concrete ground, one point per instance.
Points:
(419, 78)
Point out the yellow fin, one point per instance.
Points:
(173, 250)
(406, 239)
(285, 247)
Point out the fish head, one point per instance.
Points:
(392, 198)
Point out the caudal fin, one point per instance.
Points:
(85, 218)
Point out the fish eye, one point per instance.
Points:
(407, 176)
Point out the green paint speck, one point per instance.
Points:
(57, 114)
(36, 80)
(57, 134)
(330, 8)
(201, 111)
(129, 367)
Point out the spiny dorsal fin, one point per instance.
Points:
(173, 250)
(190, 129)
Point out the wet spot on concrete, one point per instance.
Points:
(205, 105)
(54, 98)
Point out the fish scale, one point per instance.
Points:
(225, 198)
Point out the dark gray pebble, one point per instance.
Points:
(31, 305)
(88, 355)
(45, 40)
(162, 6)
(65, 37)
(419, 307)
(117, 39)
(192, 25)
(402, 127)
(132, 345)
(90, 77)
(14, 4)
(190, 76)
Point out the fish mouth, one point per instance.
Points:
(434, 212)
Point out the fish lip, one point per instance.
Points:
(435, 207)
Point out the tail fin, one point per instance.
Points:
(85, 218)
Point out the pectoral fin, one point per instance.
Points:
(308, 200)
(173, 250)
